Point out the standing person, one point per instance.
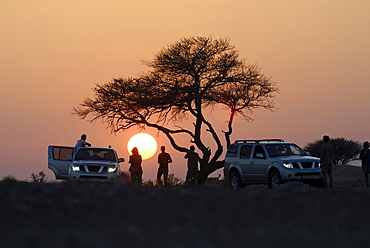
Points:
(365, 161)
(193, 158)
(326, 160)
(135, 168)
(163, 160)
(82, 142)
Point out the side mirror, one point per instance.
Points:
(260, 155)
(121, 160)
(308, 153)
(69, 158)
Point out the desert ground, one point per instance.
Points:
(65, 215)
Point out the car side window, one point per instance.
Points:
(232, 151)
(61, 153)
(258, 149)
(245, 151)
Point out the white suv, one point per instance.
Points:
(270, 161)
(91, 164)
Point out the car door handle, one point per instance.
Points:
(252, 162)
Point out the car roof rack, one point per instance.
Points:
(259, 141)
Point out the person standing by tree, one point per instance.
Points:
(365, 161)
(163, 160)
(135, 168)
(326, 160)
(193, 158)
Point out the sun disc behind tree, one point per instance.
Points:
(145, 143)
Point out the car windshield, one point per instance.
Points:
(276, 150)
(95, 154)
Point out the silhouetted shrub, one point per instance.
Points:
(38, 178)
(9, 179)
(125, 176)
(345, 150)
(171, 181)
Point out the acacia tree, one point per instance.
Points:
(186, 79)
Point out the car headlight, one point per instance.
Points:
(75, 167)
(288, 165)
(112, 169)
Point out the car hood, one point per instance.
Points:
(297, 159)
(94, 162)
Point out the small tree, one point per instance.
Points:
(345, 150)
(38, 178)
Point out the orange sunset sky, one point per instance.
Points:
(53, 52)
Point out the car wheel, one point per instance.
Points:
(235, 180)
(274, 180)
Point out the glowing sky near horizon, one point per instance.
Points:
(53, 52)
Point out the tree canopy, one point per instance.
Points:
(185, 80)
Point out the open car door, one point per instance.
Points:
(58, 160)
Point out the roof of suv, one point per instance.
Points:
(259, 141)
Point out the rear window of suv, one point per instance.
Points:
(232, 151)
(62, 153)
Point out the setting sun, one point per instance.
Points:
(146, 144)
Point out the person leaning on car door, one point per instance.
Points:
(82, 142)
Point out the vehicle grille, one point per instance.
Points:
(93, 168)
(305, 165)
(90, 168)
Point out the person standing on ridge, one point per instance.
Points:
(327, 160)
(163, 160)
(365, 161)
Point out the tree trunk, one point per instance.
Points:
(207, 170)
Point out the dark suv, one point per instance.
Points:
(271, 162)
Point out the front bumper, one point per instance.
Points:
(93, 177)
(301, 175)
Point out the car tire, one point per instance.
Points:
(274, 180)
(235, 181)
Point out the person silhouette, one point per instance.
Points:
(192, 173)
(163, 160)
(327, 160)
(135, 167)
(81, 143)
(365, 161)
